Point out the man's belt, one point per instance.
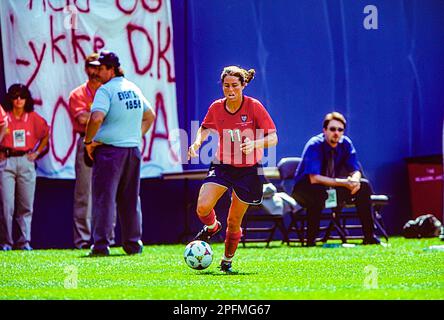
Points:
(13, 153)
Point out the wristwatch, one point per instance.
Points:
(87, 142)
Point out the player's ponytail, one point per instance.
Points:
(249, 75)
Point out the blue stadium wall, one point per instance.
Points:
(311, 57)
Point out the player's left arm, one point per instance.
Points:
(268, 138)
(41, 133)
(42, 145)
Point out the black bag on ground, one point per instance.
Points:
(425, 226)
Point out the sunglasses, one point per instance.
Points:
(334, 129)
(21, 96)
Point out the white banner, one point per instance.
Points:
(45, 43)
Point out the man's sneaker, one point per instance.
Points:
(131, 248)
(98, 253)
(5, 247)
(25, 247)
(225, 266)
(205, 234)
(83, 245)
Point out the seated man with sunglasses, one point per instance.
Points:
(328, 175)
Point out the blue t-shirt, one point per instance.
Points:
(314, 158)
(123, 104)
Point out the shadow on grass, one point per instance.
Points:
(220, 273)
(111, 255)
(261, 246)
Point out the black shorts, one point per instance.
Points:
(245, 182)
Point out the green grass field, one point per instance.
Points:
(404, 270)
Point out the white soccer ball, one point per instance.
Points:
(198, 255)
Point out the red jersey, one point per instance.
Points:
(250, 120)
(3, 116)
(80, 100)
(23, 134)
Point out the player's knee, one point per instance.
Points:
(203, 208)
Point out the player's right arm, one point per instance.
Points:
(201, 136)
(208, 124)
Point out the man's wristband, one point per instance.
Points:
(87, 142)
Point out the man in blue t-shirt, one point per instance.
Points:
(330, 174)
(120, 117)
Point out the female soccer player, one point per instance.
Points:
(245, 128)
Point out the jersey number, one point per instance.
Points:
(235, 135)
(133, 104)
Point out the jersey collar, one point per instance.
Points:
(240, 107)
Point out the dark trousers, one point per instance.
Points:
(313, 196)
(115, 188)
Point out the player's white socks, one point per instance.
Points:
(227, 259)
(213, 225)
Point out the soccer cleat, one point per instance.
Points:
(225, 266)
(206, 235)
